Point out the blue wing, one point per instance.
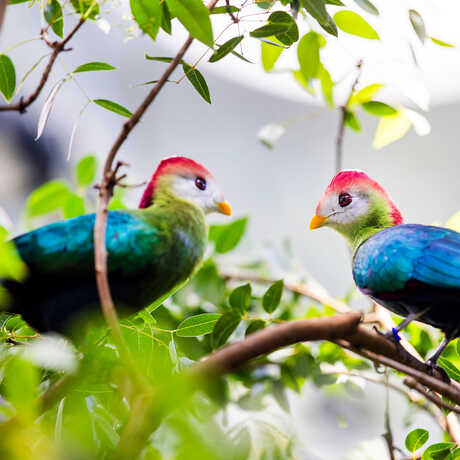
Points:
(66, 248)
(390, 259)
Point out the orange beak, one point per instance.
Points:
(224, 208)
(317, 221)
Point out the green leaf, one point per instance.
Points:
(93, 66)
(308, 55)
(194, 16)
(302, 81)
(224, 328)
(318, 10)
(351, 120)
(240, 298)
(379, 109)
(416, 439)
(279, 393)
(454, 455)
(195, 77)
(226, 48)
(270, 29)
(438, 451)
(227, 237)
(327, 85)
(21, 382)
(334, 2)
(241, 449)
(86, 8)
(441, 43)
(74, 206)
(292, 34)
(148, 15)
(452, 371)
(272, 297)
(391, 129)
(11, 265)
(86, 170)
(254, 326)
(54, 17)
(16, 2)
(166, 18)
(47, 198)
(352, 23)
(197, 325)
(270, 54)
(7, 77)
(225, 9)
(366, 5)
(159, 58)
(418, 24)
(365, 94)
(113, 107)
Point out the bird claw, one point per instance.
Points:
(392, 335)
(432, 368)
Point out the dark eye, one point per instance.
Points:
(344, 199)
(200, 183)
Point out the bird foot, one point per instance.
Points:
(392, 335)
(433, 368)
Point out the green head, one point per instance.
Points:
(356, 206)
(180, 178)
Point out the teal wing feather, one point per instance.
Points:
(67, 248)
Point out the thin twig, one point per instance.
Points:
(229, 11)
(343, 114)
(388, 435)
(57, 48)
(3, 5)
(412, 383)
(108, 182)
(302, 289)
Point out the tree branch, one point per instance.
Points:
(344, 330)
(57, 48)
(3, 5)
(108, 182)
(412, 383)
(388, 435)
(343, 113)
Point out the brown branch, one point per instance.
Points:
(57, 48)
(108, 182)
(344, 329)
(343, 114)
(412, 383)
(3, 5)
(388, 435)
(229, 11)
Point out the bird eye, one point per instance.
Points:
(344, 199)
(200, 183)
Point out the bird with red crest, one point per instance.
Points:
(152, 251)
(411, 269)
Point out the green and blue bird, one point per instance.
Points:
(152, 251)
(411, 269)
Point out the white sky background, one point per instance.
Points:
(388, 60)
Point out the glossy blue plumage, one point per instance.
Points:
(408, 268)
(151, 253)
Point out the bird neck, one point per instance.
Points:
(178, 212)
(382, 214)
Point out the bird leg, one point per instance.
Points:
(394, 333)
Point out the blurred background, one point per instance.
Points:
(279, 187)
